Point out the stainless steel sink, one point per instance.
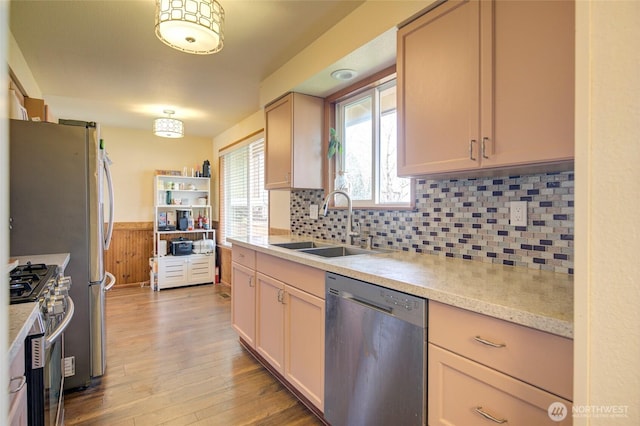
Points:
(297, 245)
(337, 251)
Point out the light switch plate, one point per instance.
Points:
(313, 211)
(518, 213)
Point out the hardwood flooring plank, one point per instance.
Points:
(173, 359)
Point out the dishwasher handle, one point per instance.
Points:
(367, 303)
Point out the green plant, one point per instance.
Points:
(335, 146)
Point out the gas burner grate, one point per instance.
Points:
(27, 282)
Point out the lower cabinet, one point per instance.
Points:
(270, 321)
(243, 302)
(18, 391)
(465, 393)
(484, 370)
(290, 335)
(243, 294)
(278, 310)
(177, 271)
(304, 344)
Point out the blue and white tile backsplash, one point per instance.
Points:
(464, 218)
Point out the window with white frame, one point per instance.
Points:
(244, 203)
(366, 123)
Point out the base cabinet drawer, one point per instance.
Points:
(177, 271)
(465, 393)
(541, 359)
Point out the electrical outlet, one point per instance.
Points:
(518, 213)
(313, 211)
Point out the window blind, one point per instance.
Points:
(244, 210)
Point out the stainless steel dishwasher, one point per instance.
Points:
(375, 355)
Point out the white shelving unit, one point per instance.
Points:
(182, 209)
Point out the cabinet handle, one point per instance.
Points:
(471, 142)
(281, 296)
(486, 415)
(489, 343)
(23, 381)
(250, 281)
(484, 147)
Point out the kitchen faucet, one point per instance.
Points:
(350, 233)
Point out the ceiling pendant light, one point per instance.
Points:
(192, 26)
(168, 127)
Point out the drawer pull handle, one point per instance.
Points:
(489, 343)
(251, 282)
(486, 415)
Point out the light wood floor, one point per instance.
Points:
(173, 359)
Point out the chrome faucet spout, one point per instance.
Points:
(350, 233)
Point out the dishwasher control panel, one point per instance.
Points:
(404, 306)
(401, 300)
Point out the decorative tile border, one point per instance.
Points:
(464, 218)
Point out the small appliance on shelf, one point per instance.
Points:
(184, 243)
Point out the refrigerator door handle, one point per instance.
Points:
(107, 173)
(112, 281)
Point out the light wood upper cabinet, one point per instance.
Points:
(293, 142)
(484, 85)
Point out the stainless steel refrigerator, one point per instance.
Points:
(59, 185)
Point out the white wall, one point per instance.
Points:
(136, 154)
(20, 68)
(607, 277)
(250, 125)
(358, 28)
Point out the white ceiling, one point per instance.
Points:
(100, 60)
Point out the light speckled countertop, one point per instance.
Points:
(539, 299)
(23, 315)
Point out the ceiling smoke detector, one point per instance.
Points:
(344, 74)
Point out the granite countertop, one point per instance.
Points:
(538, 299)
(23, 315)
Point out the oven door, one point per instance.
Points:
(53, 367)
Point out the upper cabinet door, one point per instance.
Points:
(279, 137)
(532, 104)
(438, 72)
(294, 142)
(486, 85)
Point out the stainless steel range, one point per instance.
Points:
(44, 349)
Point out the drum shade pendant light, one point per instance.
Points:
(168, 127)
(192, 26)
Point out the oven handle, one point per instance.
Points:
(63, 324)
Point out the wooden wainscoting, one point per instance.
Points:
(128, 256)
(225, 265)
